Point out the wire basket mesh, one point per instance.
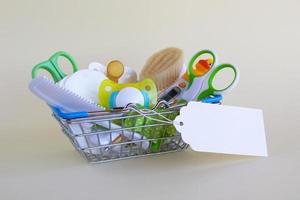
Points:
(124, 134)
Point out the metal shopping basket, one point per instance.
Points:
(123, 133)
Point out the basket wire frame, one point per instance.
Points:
(100, 139)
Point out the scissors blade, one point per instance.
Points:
(191, 93)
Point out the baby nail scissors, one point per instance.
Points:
(52, 66)
(203, 75)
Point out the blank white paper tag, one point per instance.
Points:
(222, 129)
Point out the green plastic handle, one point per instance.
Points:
(211, 90)
(52, 67)
(192, 76)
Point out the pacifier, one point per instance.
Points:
(112, 94)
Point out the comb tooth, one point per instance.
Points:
(78, 96)
(67, 92)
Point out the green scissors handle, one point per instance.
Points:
(191, 74)
(52, 67)
(210, 89)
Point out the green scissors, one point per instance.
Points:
(202, 77)
(52, 66)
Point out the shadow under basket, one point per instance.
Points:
(124, 133)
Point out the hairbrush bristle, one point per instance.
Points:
(163, 67)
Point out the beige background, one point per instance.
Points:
(261, 37)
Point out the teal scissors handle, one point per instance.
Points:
(211, 90)
(191, 69)
(52, 67)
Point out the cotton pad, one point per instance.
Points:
(85, 83)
